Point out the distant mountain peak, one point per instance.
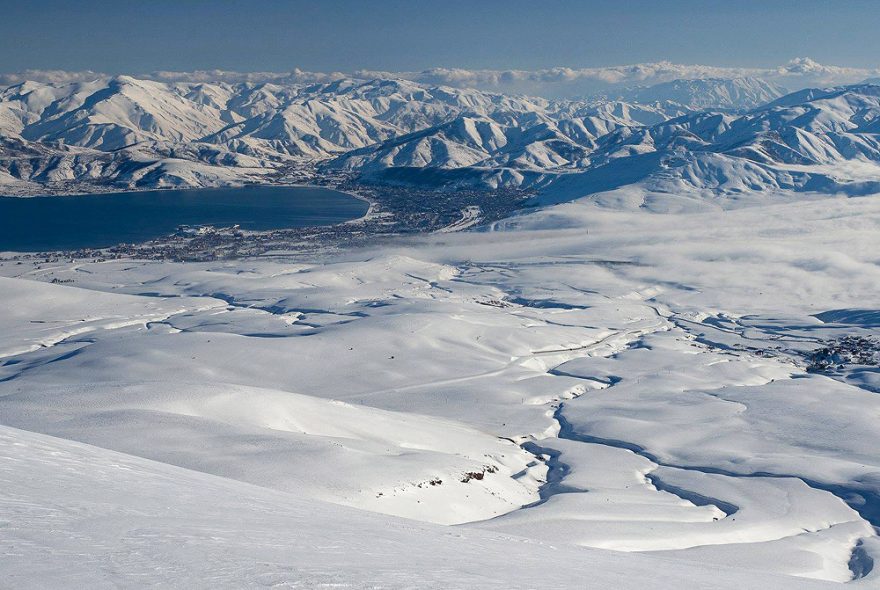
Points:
(742, 93)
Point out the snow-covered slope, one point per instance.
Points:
(610, 379)
(124, 111)
(125, 522)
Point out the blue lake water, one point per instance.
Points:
(93, 221)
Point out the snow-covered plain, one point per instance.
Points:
(571, 381)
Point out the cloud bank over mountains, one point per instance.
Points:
(566, 82)
(559, 82)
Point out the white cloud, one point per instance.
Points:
(822, 75)
(49, 77)
(297, 76)
(552, 82)
(798, 73)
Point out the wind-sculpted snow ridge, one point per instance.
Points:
(578, 380)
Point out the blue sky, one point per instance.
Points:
(344, 35)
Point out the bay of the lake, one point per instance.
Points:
(36, 224)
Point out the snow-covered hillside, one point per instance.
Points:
(580, 379)
(125, 522)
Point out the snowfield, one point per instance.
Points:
(664, 373)
(593, 396)
(121, 521)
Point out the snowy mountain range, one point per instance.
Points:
(730, 135)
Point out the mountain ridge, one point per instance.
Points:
(700, 134)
